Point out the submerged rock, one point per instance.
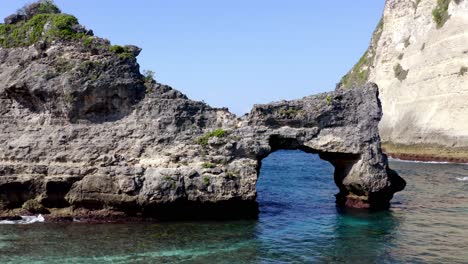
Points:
(83, 133)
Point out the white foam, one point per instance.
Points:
(25, 220)
(463, 179)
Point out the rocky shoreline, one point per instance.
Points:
(426, 153)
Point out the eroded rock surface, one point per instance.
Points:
(83, 133)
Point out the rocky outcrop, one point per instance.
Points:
(84, 134)
(419, 58)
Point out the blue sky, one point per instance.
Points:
(235, 53)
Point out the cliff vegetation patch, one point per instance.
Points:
(40, 21)
(463, 71)
(149, 80)
(123, 52)
(46, 27)
(440, 13)
(208, 165)
(43, 21)
(359, 74)
(399, 72)
(219, 133)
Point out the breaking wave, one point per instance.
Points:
(25, 220)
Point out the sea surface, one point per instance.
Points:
(298, 223)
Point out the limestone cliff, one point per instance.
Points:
(83, 133)
(419, 59)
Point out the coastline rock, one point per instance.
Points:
(84, 134)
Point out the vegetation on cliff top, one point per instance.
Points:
(123, 52)
(43, 21)
(359, 74)
(46, 27)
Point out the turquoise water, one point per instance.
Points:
(299, 223)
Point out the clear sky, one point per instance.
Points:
(235, 53)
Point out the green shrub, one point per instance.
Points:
(216, 133)
(123, 52)
(126, 55)
(25, 33)
(208, 165)
(48, 7)
(328, 99)
(88, 41)
(440, 12)
(39, 7)
(399, 72)
(232, 174)
(206, 180)
(149, 75)
(149, 79)
(117, 49)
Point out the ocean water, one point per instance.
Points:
(298, 223)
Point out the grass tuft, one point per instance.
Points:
(219, 133)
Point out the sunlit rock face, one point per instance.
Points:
(84, 134)
(419, 59)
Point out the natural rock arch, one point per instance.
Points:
(83, 133)
(168, 158)
(342, 129)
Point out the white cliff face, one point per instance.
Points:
(429, 106)
(421, 68)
